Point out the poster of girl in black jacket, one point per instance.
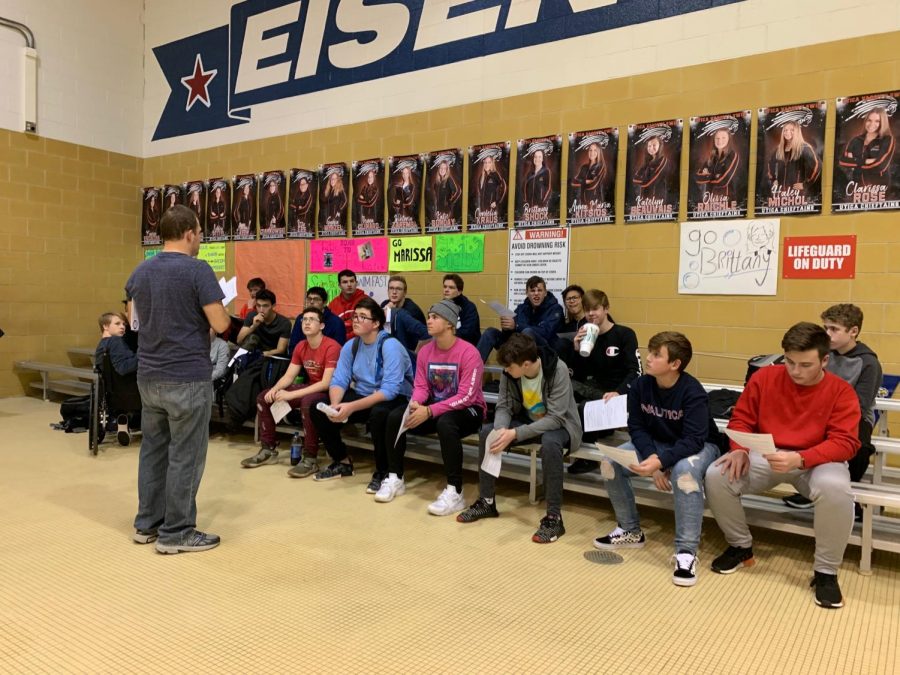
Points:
(866, 161)
(334, 186)
(218, 211)
(591, 197)
(537, 181)
(790, 142)
(443, 191)
(652, 185)
(368, 198)
(403, 194)
(302, 205)
(243, 207)
(488, 186)
(719, 164)
(271, 205)
(150, 214)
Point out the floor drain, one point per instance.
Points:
(603, 557)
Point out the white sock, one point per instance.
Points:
(393, 476)
(488, 500)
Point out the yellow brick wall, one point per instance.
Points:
(69, 224)
(87, 240)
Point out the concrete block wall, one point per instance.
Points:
(69, 238)
(637, 264)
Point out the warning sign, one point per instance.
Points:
(543, 252)
(832, 257)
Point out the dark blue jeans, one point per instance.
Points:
(175, 425)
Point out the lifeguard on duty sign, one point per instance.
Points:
(831, 257)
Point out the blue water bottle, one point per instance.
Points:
(296, 450)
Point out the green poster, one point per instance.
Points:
(327, 280)
(410, 254)
(214, 254)
(151, 252)
(459, 252)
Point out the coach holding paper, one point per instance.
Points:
(177, 299)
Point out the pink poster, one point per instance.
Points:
(362, 255)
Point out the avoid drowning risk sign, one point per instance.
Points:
(829, 257)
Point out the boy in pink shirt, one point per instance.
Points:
(447, 399)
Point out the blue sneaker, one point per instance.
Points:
(192, 540)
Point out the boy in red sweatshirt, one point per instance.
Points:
(343, 304)
(813, 417)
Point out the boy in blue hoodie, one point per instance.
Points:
(669, 423)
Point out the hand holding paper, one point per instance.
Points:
(620, 456)
(764, 444)
(279, 409)
(606, 414)
(492, 461)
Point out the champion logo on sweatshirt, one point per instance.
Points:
(612, 350)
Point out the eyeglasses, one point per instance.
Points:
(310, 319)
(573, 298)
(361, 317)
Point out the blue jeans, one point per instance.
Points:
(492, 338)
(175, 425)
(687, 489)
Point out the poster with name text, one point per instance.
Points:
(243, 207)
(652, 180)
(866, 161)
(538, 168)
(488, 186)
(368, 198)
(150, 215)
(719, 166)
(443, 191)
(591, 197)
(218, 211)
(790, 143)
(303, 191)
(334, 185)
(271, 205)
(404, 189)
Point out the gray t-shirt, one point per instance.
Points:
(169, 292)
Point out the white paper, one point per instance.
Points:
(240, 352)
(402, 429)
(492, 460)
(387, 320)
(764, 444)
(500, 308)
(611, 414)
(279, 409)
(229, 288)
(619, 455)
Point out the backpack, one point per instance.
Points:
(379, 359)
(76, 414)
(762, 361)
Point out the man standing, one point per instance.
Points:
(271, 331)
(177, 300)
(345, 302)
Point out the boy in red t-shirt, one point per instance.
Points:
(317, 355)
(813, 417)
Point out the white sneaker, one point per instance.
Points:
(391, 487)
(447, 503)
(685, 573)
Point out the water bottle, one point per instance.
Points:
(299, 379)
(296, 450)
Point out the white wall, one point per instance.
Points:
(744, 28)
(90, 70)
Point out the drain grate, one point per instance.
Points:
(603, 557)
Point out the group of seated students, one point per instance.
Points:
(397, 369)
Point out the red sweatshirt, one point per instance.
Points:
(344, 308)
(821, 422)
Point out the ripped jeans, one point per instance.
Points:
(687, 488)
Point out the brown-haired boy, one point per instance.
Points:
(813, 417)
(858, 366)
(112, 332)
(668, 419)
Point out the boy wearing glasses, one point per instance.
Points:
(317, 355)
(373, 376)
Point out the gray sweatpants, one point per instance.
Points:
(827, 485)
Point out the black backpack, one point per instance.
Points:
(76, 414)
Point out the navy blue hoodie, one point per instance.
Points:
(546, 319)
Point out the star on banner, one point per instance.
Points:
(198, 84)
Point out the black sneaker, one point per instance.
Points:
(193, 540)
(797, 501)
(480, 509)
(145, 536)
(685, 573)
(620, 538)
(335, 470)
(122, 433)
(828, 593)
(583, 466)
(550, 529)
(375, 484)
(733, 558)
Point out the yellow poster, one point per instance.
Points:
(410, 254)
